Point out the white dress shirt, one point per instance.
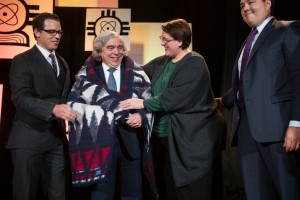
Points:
(117, 74)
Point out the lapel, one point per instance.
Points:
(179, 65)
(67, 77)
(159, 69)
(42, 61)
(122, 76)
(235, 73)
(265, 32)
(100, 72)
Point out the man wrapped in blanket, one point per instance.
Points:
(109, 146)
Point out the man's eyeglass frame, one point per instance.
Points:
(53, 32)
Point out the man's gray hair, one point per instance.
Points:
(100, 41)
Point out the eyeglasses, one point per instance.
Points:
(54, 32)
(165, 40)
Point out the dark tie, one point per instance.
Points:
(111, 79)
(245, 58)
(53, 61)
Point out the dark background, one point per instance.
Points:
(218, 32)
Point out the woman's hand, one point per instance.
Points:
(133, 103)
(135, 120)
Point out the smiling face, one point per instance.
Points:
(46, 40)
(172, 46)
(113, 52)
(254, 12)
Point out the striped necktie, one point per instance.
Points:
(53, 61)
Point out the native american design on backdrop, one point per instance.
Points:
(14, 16)
(15, 24)
(101, 20)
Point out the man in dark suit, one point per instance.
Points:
(265, 95)
(39, 86)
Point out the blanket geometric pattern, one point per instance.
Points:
(97, 108)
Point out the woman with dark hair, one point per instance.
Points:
(188, 128)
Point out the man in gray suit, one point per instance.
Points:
(265, 95)
(39, 85)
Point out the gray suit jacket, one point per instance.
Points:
(35, 92)
(196, 127)
(271, 82)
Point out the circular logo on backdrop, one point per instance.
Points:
(108, 22)
(13, 15)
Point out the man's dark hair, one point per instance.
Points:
(272, 6)
(39, 20)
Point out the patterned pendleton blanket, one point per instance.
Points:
(97, 110)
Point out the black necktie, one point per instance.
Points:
(53, 61)
(111, 79)
(245, 58)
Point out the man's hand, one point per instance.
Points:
(292, 139)
(220, 104)
(65, 112)
(135, 120)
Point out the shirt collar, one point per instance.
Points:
(106, 67)
(263, 24)
(45, 52)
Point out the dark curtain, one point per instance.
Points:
(235, 34)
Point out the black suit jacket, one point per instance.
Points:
(271, 82)
(35, 92)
